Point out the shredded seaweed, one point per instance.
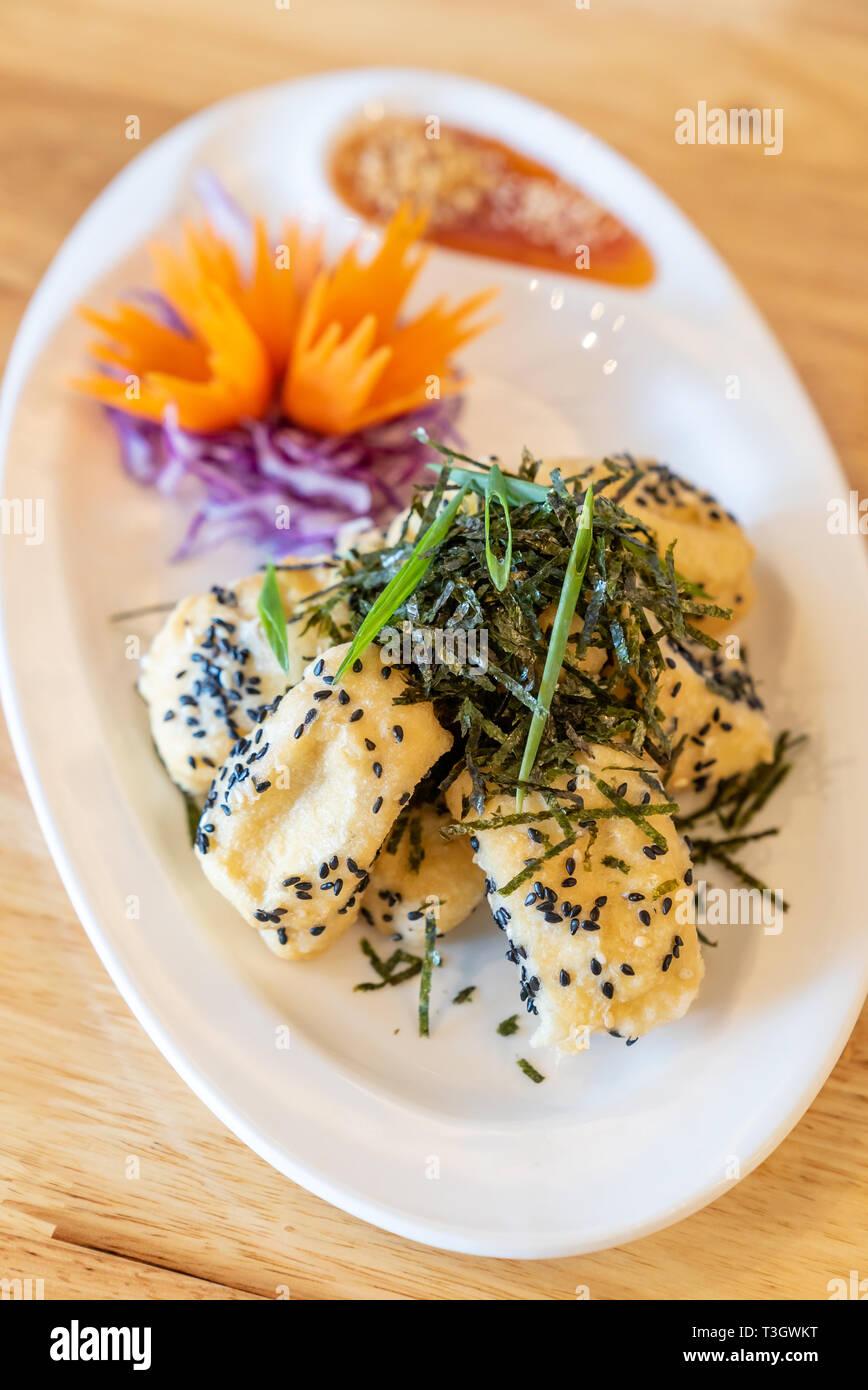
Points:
(194, 814)
(430, 960)
(388, 969)
(508, 1026)
(529, 1071)
(464, 995)
(733, 804)
(629, 599)
(612, 862)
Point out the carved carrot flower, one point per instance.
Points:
(276, 380)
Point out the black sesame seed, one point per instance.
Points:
(356, 714)
(378, 769)
(596, 967)
(317, 931)
(357, 666)
(665, 905)
(377, 804)
(343, 697)
(688, 877)
(318, 669)
(608, 988)
(398, 732)
(635, 897)
(667, 961)
(590, 926)
(564, 977)
(645, 918)
(627, 969)
(535, 835)
(281, 935)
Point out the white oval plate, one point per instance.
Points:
(443, 1139)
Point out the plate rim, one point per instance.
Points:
(24, 354)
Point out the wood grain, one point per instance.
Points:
(82, 1090)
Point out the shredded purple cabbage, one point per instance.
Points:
(285, 489)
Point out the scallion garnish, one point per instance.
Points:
(570, 590)
(495, 489)
(273, 618)
(399, 589)
(518, 491)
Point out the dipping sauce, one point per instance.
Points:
(483, 197)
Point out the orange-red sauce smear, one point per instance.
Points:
(483, 197)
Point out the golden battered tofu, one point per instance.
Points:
(596, 930)
(711, 548)
(422, 870)
(210, 671)
(724, 728)
(296, 815)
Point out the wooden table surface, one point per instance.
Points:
(82, 1089)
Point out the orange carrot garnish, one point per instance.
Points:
(328, 343)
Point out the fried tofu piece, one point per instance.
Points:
(723, 725)
(296, 815)
(210, 671)
(597, 930)
(711, 548)
(420, 872)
